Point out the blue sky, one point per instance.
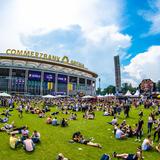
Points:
(91, 32)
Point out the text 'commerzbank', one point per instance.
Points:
(40, 55)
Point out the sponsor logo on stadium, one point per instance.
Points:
(40, 55)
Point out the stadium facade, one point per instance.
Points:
(34, 73)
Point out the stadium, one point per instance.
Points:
(34, 73)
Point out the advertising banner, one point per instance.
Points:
(34, 75)
(49, 77)
(62, 78)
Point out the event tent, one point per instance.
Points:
(3, 94)
(99, 96)
(87, 97)
(48, 96)
(128, 94)
(137, 94)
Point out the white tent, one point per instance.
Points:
(99, 96)
(137, 93)
(106, 95)
(3, 94)
(128, 94)
(112, 95)
(87, 97)
(48, 96)
(61, 96)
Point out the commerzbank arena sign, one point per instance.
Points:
(45, 56)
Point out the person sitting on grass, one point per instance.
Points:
(73, 116)
(158, 147)
(126, 156)
(61, 157)
(24, 133)
(36, 137)
(29, 146)
(41, 114)
(120, 134)
(64, 123)
(78, 137)
(4, 120)
(147, 144)
(114, 121)
(49, 120)
(55, 122)
(14, 141)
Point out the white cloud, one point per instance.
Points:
(99, 21)
(144, 65)
(152, 16)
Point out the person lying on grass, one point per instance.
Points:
(158, 147)
(17, 130)
(126, 156)
(7, 127)
(78, 137)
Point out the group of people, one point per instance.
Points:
(69, 106)
(28, 142)
(54, 121)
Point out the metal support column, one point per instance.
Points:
(10, 80)
(56, 83)
(67, 85)
(25, 83)
(42, 79)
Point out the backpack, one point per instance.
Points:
(105, 157)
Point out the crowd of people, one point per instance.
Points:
(70, 106)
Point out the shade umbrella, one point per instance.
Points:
(3, 94)
(48, 96)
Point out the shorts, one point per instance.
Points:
(130, 157)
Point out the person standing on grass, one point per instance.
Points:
(150, 123)
(20, 109)
(139, 129)
(157, 131)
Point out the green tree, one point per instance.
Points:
(128, 86)
(158, 86)
(98, 91)
(109, 89)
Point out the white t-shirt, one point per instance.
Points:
(28, 145)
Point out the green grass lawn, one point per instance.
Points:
(54, 140)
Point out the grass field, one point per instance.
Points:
(54, 140)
